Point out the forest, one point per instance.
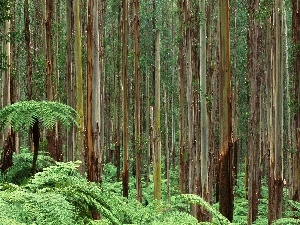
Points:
(149, 112)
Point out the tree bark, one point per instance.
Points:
(79, 86)
(157, 133)
(254, 130)
(276, 152)
(92, 157)
(70, 84)
(137, 99)
(204, 126)
(296, 77)
(125, 173)
(225, 166)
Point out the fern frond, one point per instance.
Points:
(23, 114)
(286, 221)
(64, 179)
(195, 199)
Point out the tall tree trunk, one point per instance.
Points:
(28, 52)
(167, 147)
(276, 153)
(183, 155)
(204, 126)
(189, 95)
(7, 138)
(137, 99)
(79, 86)
(96, 92)
(254, 130)
(125, 82)
(157, 133)
(92, 156)
(296, 77)
(52, 142)
(225, 167)
(70, 139)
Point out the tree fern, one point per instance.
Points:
(22, 115)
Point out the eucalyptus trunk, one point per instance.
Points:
(51, 134)
(182, 80)
(125, 83)
(296, 76)
(254, 129)
(93, 172)
(204, 125)
(28, 51)
(225, 166)
(157, 132)
(70, 84)
(276, 152)
(79, 85)
(137, 99)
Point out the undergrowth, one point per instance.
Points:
(58, 194)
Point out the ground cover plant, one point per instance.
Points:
(59, 194)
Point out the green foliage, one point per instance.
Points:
(20, 172)
(195, 199)
(87, 197)
(23, 114)
(19, 206)
(286, 221)
(4, 11)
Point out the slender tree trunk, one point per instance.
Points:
(70, 139)
(148, 128)
(167, 147)
(7, 138)
(125, 82)
(157, 133)
(204, 126)
(276, 153)
(28, 52)
(225, 167)
(183, 155)
(118, 102)
(137, 99)
(79, 85)
(189, 96)
(296, 77)
(52, 142)
(254, 130)
(92, 156)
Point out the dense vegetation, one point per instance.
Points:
(58, 194)
(180, 111)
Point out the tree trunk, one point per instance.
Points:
(28, 52)
(92, 156)
(137, 99)
(204, 126)
(254, 130)
(7, 136)
(125, 82)
(52, 142)
(70, 139)
(225, 166)
(79, 86)
(276, 152)
(296, 77)
(183, 154)
(157, 133)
